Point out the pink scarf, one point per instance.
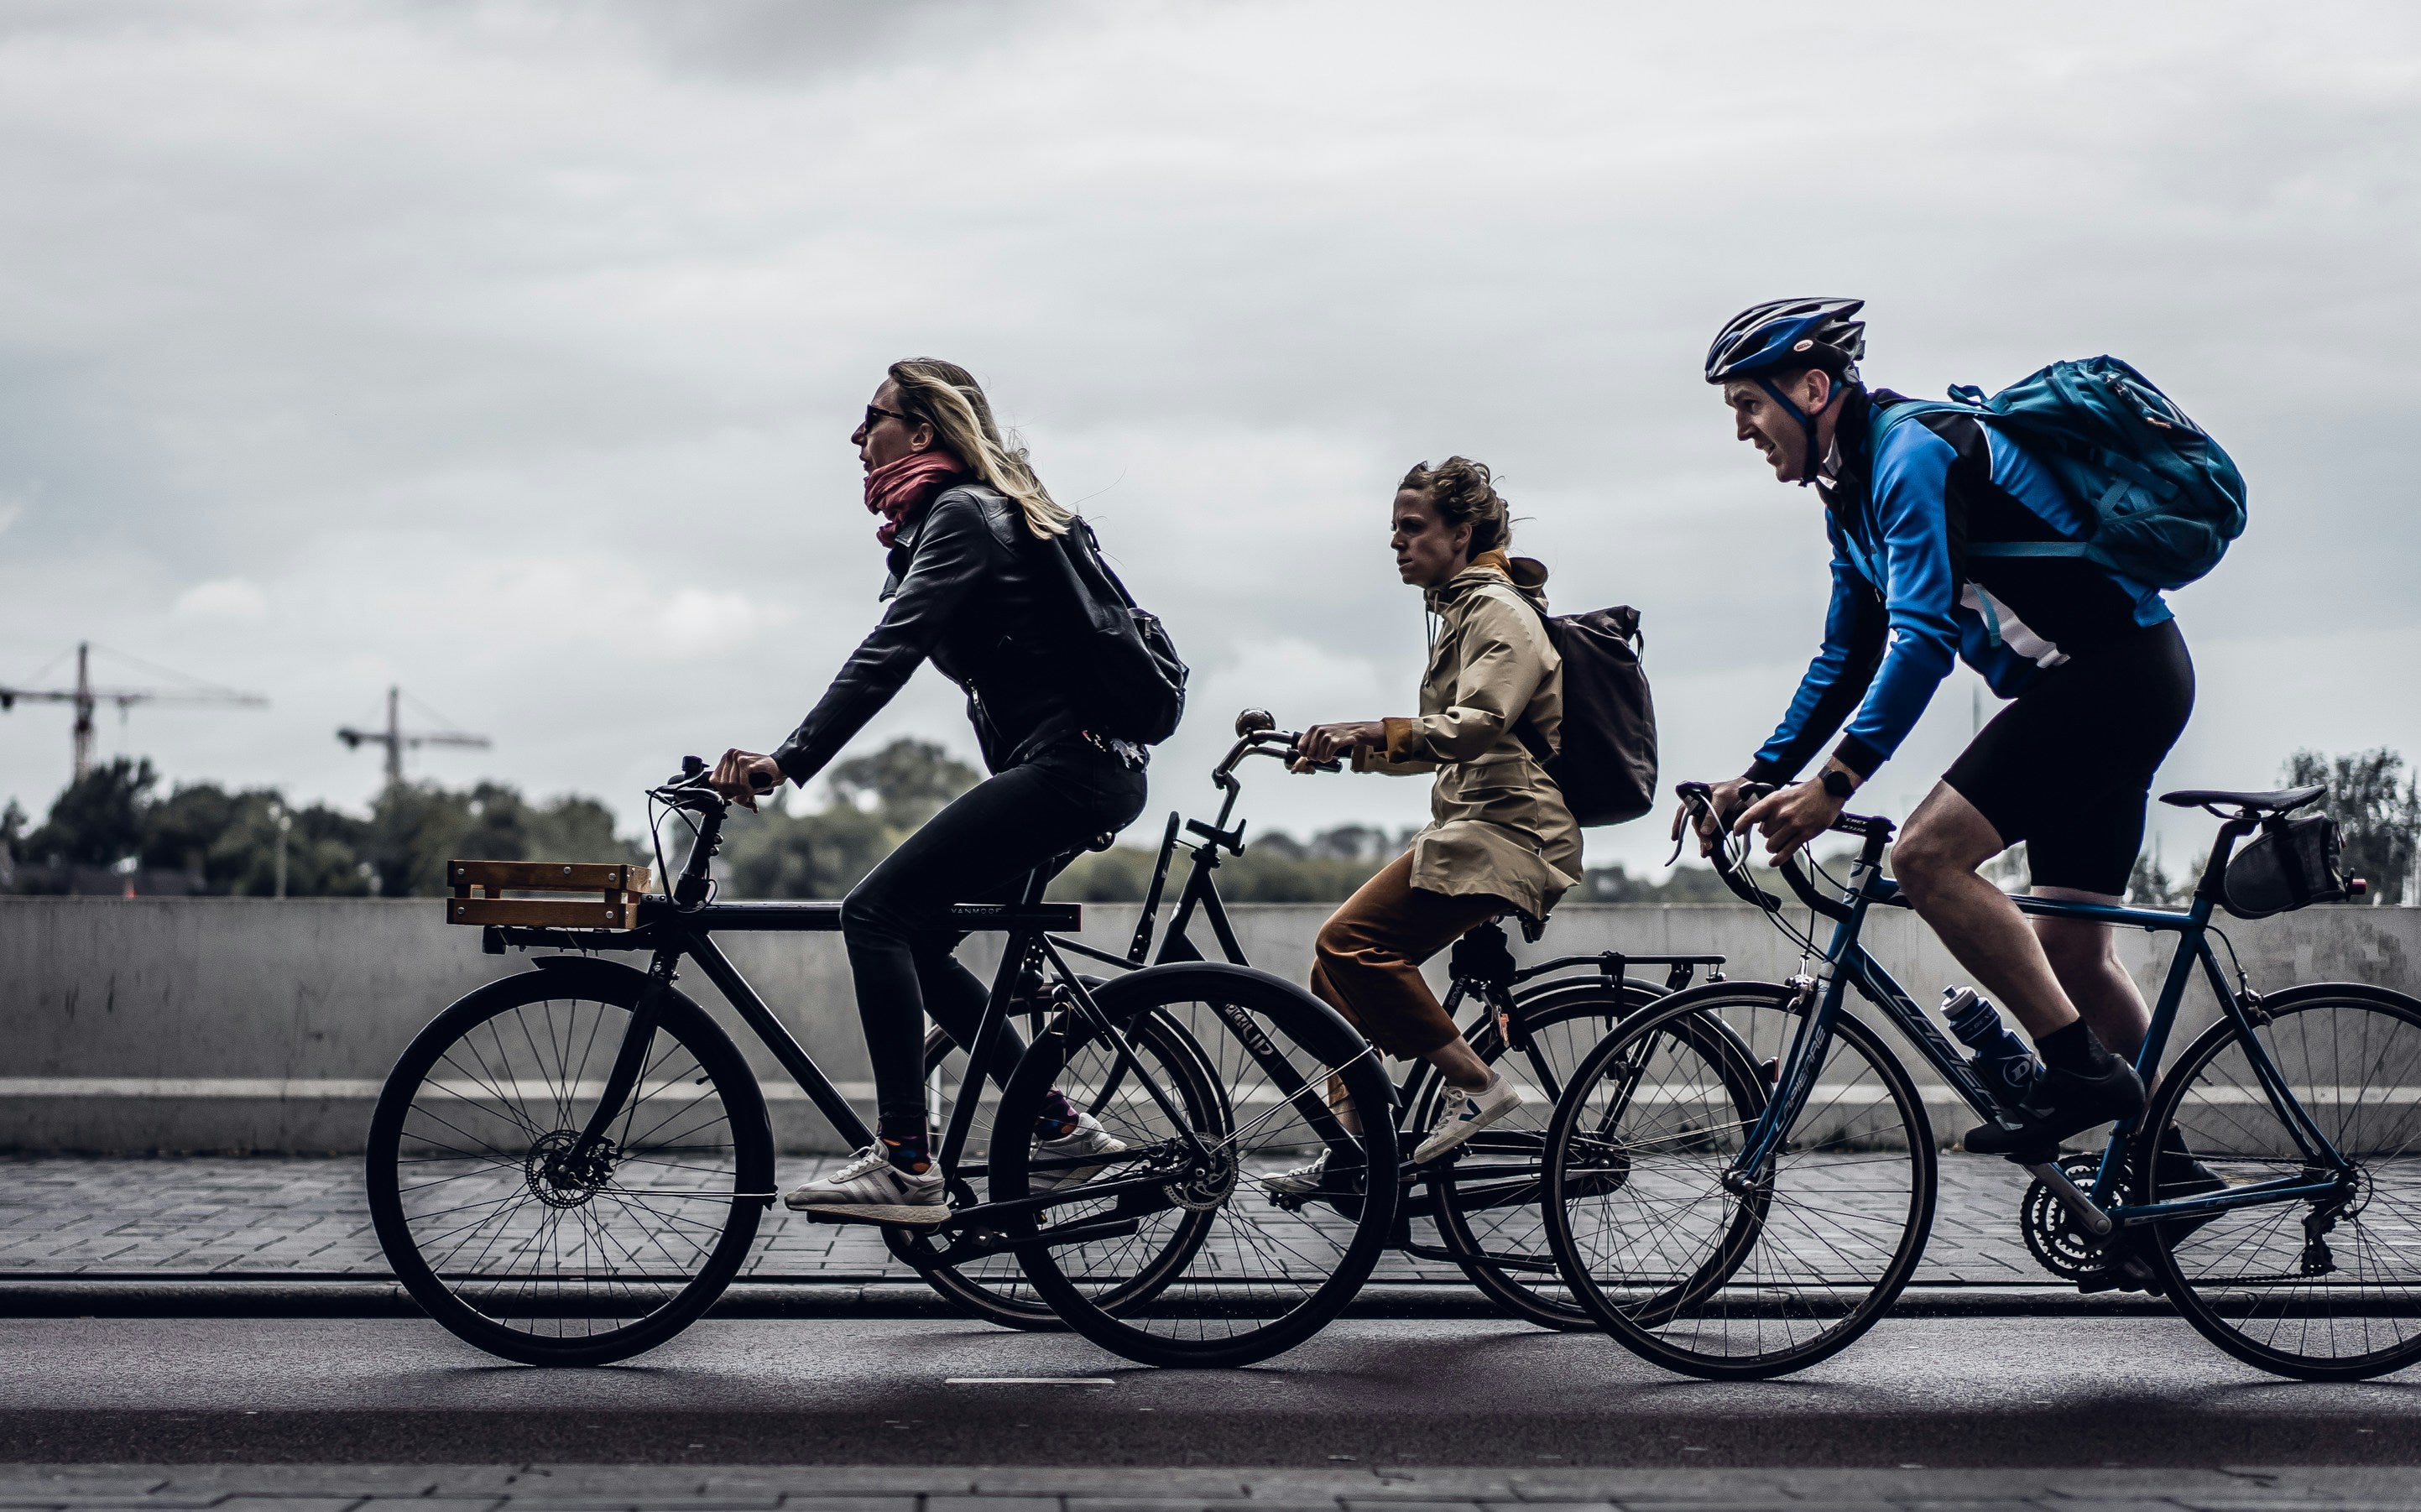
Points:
(898, 488)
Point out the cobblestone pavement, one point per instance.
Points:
(1396, 1488)
(184, 1218)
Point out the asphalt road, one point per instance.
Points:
(1938, 1392)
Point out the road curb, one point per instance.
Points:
(379, 1297)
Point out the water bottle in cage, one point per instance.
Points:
(2002, 1060)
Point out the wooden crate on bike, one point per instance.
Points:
(480, 889)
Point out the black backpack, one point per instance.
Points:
(1132, 679)
(1606, 765)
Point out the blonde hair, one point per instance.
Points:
(947, 396)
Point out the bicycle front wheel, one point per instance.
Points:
(1174, 1250)
(517, 1233)
(1485, 1201)
(1726, 1274)
(2324, 1287)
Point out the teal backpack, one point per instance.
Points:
(2166, 499)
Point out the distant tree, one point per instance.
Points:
(14, 822)
(2150, 886)
(877, 801)
(2378, 815)
(777, 854)
(416, 828)
(97, 819)
(231, 840)
(907, 782)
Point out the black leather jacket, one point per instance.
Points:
(976, 592)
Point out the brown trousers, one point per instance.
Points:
(1370, 951)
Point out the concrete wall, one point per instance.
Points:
(243, 1024)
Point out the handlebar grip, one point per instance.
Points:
(759, 782)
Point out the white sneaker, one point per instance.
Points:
(1466, 1114)
(1087, 1138)
(1303, 1179)
(870, 1189)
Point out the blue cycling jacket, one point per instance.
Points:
(1907, 597)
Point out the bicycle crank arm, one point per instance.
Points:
(2095, 1221)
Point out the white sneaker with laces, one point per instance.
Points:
(1087, 1138)
(1303, 1179)
(1466, 1114)
(870, 1189)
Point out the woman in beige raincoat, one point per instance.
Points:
(1500, 839)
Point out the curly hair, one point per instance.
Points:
(1464, 491)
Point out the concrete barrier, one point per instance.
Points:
(249, 1025)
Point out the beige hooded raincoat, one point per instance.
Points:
(1497, 823)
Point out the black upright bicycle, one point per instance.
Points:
(1537, 1021)
(568, 1165)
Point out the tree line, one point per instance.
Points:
(226, 842)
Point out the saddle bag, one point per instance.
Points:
(2295, 862)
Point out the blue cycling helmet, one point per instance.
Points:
(1790, 335)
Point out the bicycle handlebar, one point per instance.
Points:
(1699, 798)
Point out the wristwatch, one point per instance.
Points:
(1837, 783)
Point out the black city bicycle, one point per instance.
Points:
(1538, 1020)
(1741, 1180)
(568, 1165)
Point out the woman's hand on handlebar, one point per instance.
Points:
(1791, 816)
(740, 775)
(1722, 798)
(1323, 743)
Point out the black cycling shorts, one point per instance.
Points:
(2067, 767)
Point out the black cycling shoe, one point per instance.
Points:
(2062, 1103)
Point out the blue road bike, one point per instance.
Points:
(1740, 1180)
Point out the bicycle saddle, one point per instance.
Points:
(2279, 802)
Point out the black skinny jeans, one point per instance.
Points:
(980, 850)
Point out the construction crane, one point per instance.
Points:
(85, 697)
(396, 739)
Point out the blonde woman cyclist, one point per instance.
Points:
(1500, 838)
(974, 590)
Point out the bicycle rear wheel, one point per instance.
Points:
(510, 1236)
(2322, 1288)
(1236, 1273)
(1736, 1278)
(1485, 1202)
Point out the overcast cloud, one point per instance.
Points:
(508, 352)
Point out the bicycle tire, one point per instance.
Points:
(1497, 1232)
(2244, 1279)
(481, 1099)
(1721, 1292)
(1254, 1274)
(995, 1288)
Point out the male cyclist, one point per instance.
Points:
(2098, 673)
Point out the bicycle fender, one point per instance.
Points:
(1328, 1032)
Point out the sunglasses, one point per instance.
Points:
(876, 415)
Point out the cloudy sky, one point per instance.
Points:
(508, 352)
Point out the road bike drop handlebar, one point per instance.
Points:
(1873, 832)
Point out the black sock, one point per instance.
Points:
(908, 1152)
(2074, 1050)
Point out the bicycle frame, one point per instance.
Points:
(683, 925)
(1845, 963)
